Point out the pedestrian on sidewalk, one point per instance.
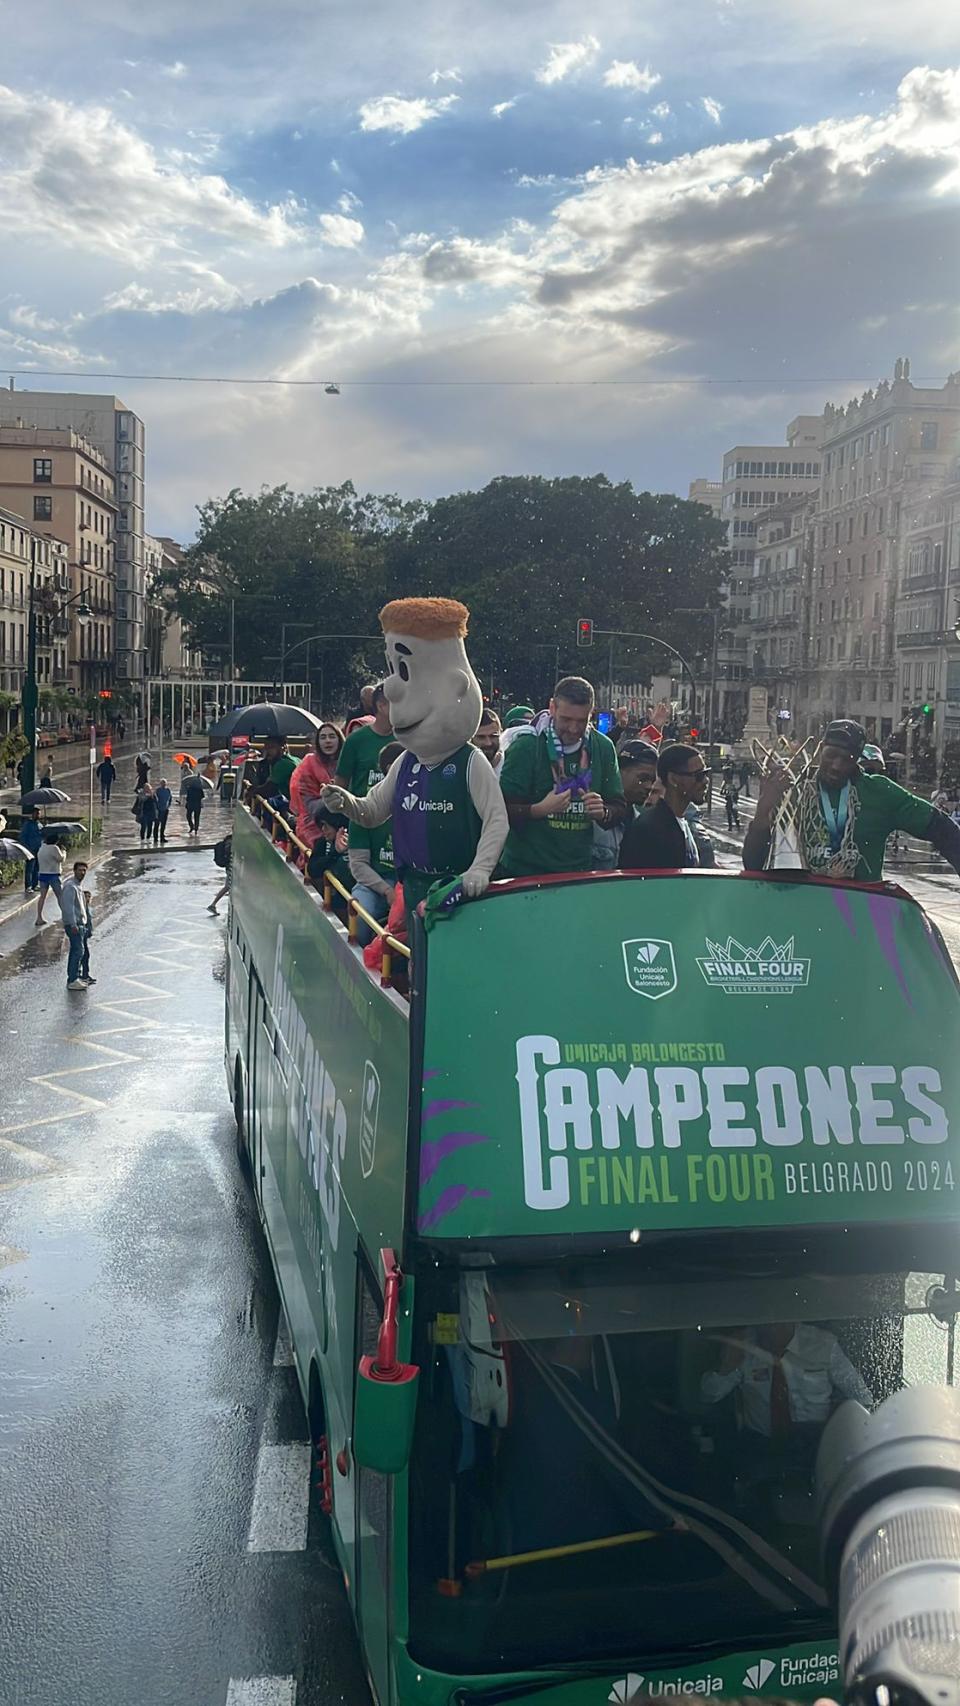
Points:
(121, 728)
(222, 856)
(78, 927)
(142, 762)
(46, 774)
(51, 859)
(164, 802)
(107, 773)
(149, 815)
(31, 837)
(193, 800)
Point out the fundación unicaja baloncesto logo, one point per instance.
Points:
(650, 966)
(759, 1673)
(629, 1688)
(771, 969)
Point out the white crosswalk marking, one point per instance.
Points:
(281, 1499)
(262, 1691)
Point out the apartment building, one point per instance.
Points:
(60, 484)
(118, 434)
(756, 478)
(779, 605)
(885, 454)
(707, 492)
(23, 552)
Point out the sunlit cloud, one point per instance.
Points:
(627, 74)
(567, 57)
(397, 113)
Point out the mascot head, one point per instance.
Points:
(435, 698)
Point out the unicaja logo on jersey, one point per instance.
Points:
(627, 1689)
(771, 969)
(759, 1673)
(410, 802)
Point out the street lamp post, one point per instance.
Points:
(705, 610)
(621, 634)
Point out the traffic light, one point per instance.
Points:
(694, 734)
(105, 693)
(584, 631)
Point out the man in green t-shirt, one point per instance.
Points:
(843, 815)
(358, 767)
(559, 778)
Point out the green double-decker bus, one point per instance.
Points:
(582, 1235)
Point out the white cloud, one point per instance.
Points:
(655, 138)
(177, 69)
(661, 110)
(712, 108)
(567, 57)
(504, 107)
(395, 112)
(340, 232)
(78, 175)
(627, 74)
(451, 75)
(348, 201)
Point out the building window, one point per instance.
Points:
(42, 509)
(885, 439)
(42, 470)
(928, 435)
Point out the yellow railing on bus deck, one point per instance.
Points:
(354, 910)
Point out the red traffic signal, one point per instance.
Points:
(694, 734)
(105, 693)
(584, 631)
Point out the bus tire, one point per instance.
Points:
(243, 1154)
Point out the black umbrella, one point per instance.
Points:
(44, 797)
(256, 722)
(64, 828)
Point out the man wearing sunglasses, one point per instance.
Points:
(662, 838)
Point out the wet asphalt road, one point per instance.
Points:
(138, 1336)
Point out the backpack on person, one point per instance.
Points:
(222, 852)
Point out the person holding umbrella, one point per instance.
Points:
(31, 837)
(193, 800)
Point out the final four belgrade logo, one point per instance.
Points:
(771, 969)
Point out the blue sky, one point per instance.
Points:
(407, 198)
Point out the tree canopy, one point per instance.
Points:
(528, 555)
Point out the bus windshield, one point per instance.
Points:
(605, 1466)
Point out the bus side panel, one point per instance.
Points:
(332, 1097)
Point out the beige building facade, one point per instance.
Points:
(107, 423)
(25, 552)
(60, 484)
(886, 456)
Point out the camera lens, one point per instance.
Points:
(888, 1489)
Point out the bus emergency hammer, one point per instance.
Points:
(386, 1396)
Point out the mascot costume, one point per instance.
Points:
(449, 819)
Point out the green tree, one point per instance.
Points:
(315, 561)
(530, 556)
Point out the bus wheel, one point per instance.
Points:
(243, 1155)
